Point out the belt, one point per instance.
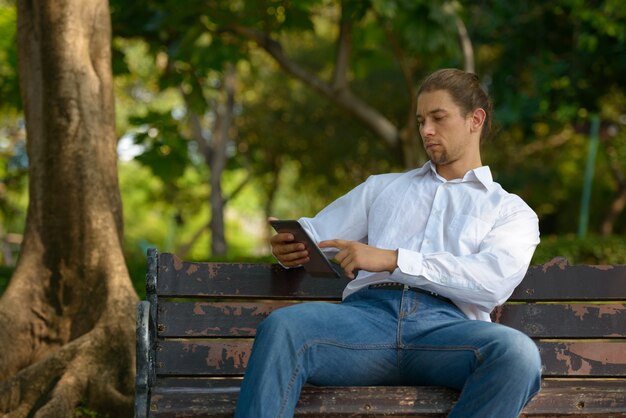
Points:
(400, 286)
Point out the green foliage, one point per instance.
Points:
(425, 26)
(13, 158)
(85, 412)
(9, 87)
(589, 250)
(163, 150)
(549, 67)
(551, 58)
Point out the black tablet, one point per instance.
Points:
(318, 265)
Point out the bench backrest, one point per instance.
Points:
(205, 314)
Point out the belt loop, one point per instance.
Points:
(406, 287)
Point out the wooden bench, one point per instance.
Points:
(195, 331)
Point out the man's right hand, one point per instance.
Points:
(287, 251)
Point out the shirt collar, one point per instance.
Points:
(480, 174)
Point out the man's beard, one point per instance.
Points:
(439, 158)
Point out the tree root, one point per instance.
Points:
(95, 369)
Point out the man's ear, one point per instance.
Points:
(477, 119)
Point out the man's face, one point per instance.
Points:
(445, 131)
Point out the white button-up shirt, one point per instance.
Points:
(466, 239)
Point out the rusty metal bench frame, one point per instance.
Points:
(195, 331)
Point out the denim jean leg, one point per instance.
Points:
(322, 343)
(507, 375)
(497, 368)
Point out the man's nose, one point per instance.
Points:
(426, 129)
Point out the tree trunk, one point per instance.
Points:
(67, 316)
(217, 164)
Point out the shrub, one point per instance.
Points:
(592, 249)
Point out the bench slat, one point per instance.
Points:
(230, 357)
(581, 398)
(558, 280)
(333, 401)
(565, 320)
(181, 278)
(202, 358)
(214, 319)
(583, 358)
(237, 318)
(551, 281)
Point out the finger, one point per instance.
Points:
(281, 238)
(341, 256)
(285, 249)
(271, 218)
(349, 265)
(345, 262)
(295, 262)
(290, 256)
(333, 243)
(349, 270)
(280, 247)
(294, 258)
(294, 255)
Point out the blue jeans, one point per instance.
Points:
(389, 337)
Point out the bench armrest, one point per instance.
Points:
(144, 360)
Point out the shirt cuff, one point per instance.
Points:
(410, 262)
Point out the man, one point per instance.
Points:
(436, 249)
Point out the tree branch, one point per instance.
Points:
(368, 116)
(195, 124)
(466, 45)
(407, 71)
(184, 249)
(553, 141)
(344, 43)
(238, 189)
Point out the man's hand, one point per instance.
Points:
(287, 251)
(354, 255)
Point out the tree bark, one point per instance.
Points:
(67, 316)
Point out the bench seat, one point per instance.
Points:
(196, 328)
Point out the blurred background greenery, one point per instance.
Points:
(229, 111)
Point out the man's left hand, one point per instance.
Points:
(354, 256)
